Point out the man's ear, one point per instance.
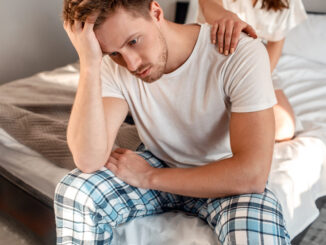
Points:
(156, 11)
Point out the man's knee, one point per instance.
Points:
(78, 187)
(251, 219)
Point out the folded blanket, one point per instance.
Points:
(36, 114)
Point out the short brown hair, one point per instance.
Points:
(81, 9)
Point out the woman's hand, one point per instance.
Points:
(226, 25)
(227, 31)
(84, 40)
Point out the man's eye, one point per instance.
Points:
(133, 42)
(114, 54)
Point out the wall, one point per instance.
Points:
(32, 38)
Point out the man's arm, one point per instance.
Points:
(252, 141)
(94, 121)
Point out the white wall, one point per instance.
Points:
(168, 7)
(32, 38)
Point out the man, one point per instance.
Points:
(205, 119)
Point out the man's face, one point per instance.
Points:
(134, 42)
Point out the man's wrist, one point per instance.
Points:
(90, 69)
(151, 180)
(90, 64)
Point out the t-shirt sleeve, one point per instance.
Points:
(110, 79)
(247, 79)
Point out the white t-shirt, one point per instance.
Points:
(269, 25)
(183, 118)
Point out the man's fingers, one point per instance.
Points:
(250, 31)
(77, 26)
(121, 150)
(227, 37)
(112, 167)
(67, 26)
(113, 159)
(90, 21)
(214, 33)
(220, 37)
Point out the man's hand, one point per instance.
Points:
(84, 40)
(227, 32)
(130, 168)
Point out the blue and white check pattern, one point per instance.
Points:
(89, 206)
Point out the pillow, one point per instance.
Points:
(308, 39)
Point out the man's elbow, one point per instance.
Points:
(256, 180)
(258, 186)
(88, 166)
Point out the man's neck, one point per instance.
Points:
(180, 40)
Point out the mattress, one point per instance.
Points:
(298, 174)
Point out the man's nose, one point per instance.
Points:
(133, 61)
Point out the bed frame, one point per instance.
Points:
(29, 208)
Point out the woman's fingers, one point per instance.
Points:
(227, 36)
(220, 37)
(214, 33)
(250, 31)
(235, 37)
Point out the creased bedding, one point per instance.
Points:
(35, 111)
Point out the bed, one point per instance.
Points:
(298, 174)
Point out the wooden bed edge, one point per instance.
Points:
(27, 207)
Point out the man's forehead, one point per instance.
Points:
(118, 28)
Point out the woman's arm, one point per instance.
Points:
(227, 26)
(274, 50)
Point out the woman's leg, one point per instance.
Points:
(284, 117)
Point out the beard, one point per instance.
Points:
(157, 70)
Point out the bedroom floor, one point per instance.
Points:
(14, 234)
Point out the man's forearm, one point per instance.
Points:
(218, 179)
(86, 134)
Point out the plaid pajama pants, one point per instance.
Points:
(89, 206)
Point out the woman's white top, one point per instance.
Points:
(269, 25)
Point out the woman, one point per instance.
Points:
(272, 20)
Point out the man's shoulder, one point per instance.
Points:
(249, 44)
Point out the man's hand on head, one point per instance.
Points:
(130, 168)
(84, 40)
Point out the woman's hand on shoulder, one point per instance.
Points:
(226, 31)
